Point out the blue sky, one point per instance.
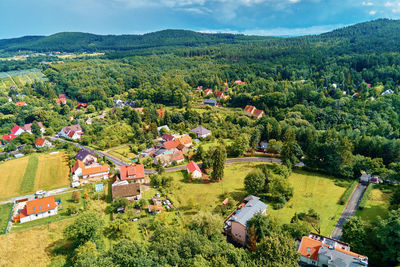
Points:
(261, 17)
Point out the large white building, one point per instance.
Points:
(38, 208)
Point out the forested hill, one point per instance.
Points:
(381, 35)
(76, 41)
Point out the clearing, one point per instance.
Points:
(20, 77)
(311, 190)
(377, 205)
(52, 172)
(12, 173)
(4, 214)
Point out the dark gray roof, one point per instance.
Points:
(210, 101)
(252, 207)
(200, 130)
(83, 153)
(340, 259)
(159, 152)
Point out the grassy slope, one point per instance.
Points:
(314, 191)
(28, 182)
(4, 214)
(52, 172)
(377, 205)
(11, 175)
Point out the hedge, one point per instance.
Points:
(365, 197)
(346, 195)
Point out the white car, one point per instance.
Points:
(40, 193)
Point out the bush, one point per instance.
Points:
(343, 199)
(76, 197)
(278, 206)
(72, 209)
(365, 197)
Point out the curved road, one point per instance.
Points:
(349, 210)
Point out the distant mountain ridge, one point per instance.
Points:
(377, 35)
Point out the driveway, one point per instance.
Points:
(349, 210)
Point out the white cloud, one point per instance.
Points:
(367, 3)
(372, 12)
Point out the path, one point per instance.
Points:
(349, 210)
(32, 196)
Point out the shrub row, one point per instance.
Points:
(365, 197)
(347, 193)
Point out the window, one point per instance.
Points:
(40, 207)
(48, 205)
(49, 212)
(34, 208)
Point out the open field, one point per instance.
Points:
(122, 152)
(52, 172)
(20, 78)
(32, 247)
(31, 173)
(208, 145)
(377, 205)
(314, 191)
(12, 173)
(310, 191)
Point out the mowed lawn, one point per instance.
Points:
(11, 175)
(52, 172)
(32, 247)
(31, 173)
(316, 191)
(310, 191)
(377, 205)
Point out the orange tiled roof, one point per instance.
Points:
(249, 108)
(309, 247)
(171, 144)
(185, 140)
(40, 205)
(95, 170)
(40, 141)
(132, 172)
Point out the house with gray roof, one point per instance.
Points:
(236, 225)
(86, 156)
(201, 132)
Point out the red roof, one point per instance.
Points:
(40, 141)
(61, 100)
(171, 144)
(219, 93)
(132, 172)
(28, 126)
(249, 108)
(178, 155)
(40, 205)
(15, 129)
(208, 91)
(258, 112)
(167, 137)
(20, 104)
(309, 247)
(192, 166)
(84, 105)
(9, 137)
(62, 96)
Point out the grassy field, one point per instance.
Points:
(35, 172)
(32, 247)
(377, 205)
(310, 191)
(208, 145)
(4, 214)
(52, 172)
(28, 182)
(12, 173)
(20, 78)
(314, 191)
(122, 152)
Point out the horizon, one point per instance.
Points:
(250, 17)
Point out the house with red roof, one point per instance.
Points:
(167, 137)
(220, 95)
(38, 209)
(208, 91)
(15, 131)
(249, 110)
(28, 127)
(60, 101)
(21, 104)
(171, 144)
(169, 156)
(193, 170)
(258, 113)
(199, 88)
(73, 132)
(134, 173)
(81, 105)
(318, 250)
(185, 140)
(41, 142)
(94, 171)
(239, 82)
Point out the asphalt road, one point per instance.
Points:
(116, 161)
(349, 210)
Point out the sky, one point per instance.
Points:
(258, 17)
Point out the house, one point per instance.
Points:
(249, 110)
(239, 82)
(258, 113)
(388, 92)
(28, 128)
(199, 88)
(201, 132)
(263, 146)
(194, 170)
(21, 104)
(41, 142)
(169, 157)
(185, 140)
(317, 250)
(98, 171)
(60, 101)
(81, 105)
(167, 137)
(15, 131)
(118, 103)
(210, 102)
(73, 132)
(147, 152)
(130, 191)
(38, 208)
(134, 173)
(171, 144)
(140, 110)
(220, 95)
(208, 91)
(86, 156)
(165, 128)
(236, 225)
